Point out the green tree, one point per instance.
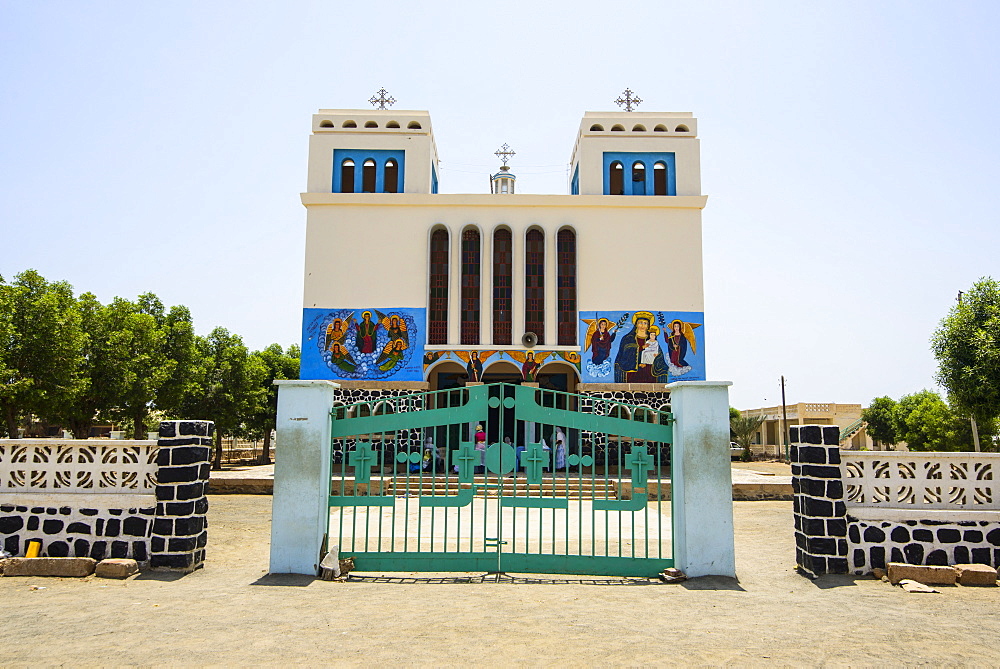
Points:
(226, 386)
(967, 347)
(43, 345)
(743, 429)
(926, 423)
(880, 417)
(280, 364)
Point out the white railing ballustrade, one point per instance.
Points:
(79, 466)
(920, 481)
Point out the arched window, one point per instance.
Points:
(368, 176)
(638, 178)
(371, 124)
(349, 124)
(470, 287)
(534, 284)
(391, 176)
(347, 176)
(617, 127)
(597, 127)
(660, 128)
(437, 320)
(616, 179)
(681, 128)
(660, 179)
(638, 127)
(503, 287)
(566, 287)
(413, 125)
(392, 124)
(327, 123)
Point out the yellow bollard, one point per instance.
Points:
(34, 548)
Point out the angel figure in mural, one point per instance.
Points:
(336, 331)
(392, 353)
(530, 363)
(341, 357)
(681, 336)
(395, 327)
(600, 335)
(629, 365)
(364, 338)
(474, 362)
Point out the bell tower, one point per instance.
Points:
(372, 151)
(636, 153)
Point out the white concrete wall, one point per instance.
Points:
(633, 253)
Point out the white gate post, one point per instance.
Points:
(701, 479)
(300, 506)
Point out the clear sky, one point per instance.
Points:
(849, 152)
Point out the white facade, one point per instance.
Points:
(370, 251)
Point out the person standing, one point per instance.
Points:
(481, 447)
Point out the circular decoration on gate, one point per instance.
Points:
(402, 457)
(500, 458)
(508, 402)
(494, 402)
(573, 460)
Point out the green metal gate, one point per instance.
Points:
(564, 483)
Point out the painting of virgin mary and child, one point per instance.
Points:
(646, 353)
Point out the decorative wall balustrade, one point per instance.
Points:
(918, 481)
(84, 466)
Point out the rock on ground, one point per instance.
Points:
(976, 574)
(116, 568)
(922, 573)
(71, 567)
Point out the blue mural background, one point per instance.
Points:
(362, 344)
(616, 352)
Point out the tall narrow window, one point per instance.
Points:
(503, 286)
(638, 178)
(470, 287)
(437, 323)
(391, 176)
(566, 287)
(347, 176)
(368, 176)
(616, 179)
(659, 179)
(534, 284)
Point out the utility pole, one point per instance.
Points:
(784, 418)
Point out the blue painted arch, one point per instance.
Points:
(359, 156)
(648, 160)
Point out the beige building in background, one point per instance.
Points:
(847, 417)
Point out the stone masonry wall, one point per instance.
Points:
(828, 540)
(818, 502)
(168, 532)
(180, 533)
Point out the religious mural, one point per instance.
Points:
(642, 346)
(528, 361)
(362, 344)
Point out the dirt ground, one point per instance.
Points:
(233, 613)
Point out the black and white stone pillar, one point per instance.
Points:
(179, 531)
(819, 510)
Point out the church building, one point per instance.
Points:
(597, 291)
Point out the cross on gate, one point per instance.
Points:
(382, 100)
(629, 100)
(466, 461)
(535, 459)
(639, 461)
(362, 459)
(504, 153)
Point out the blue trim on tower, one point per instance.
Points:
(359, 156)
(574, 186)
(629, 158)
(434, 179)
